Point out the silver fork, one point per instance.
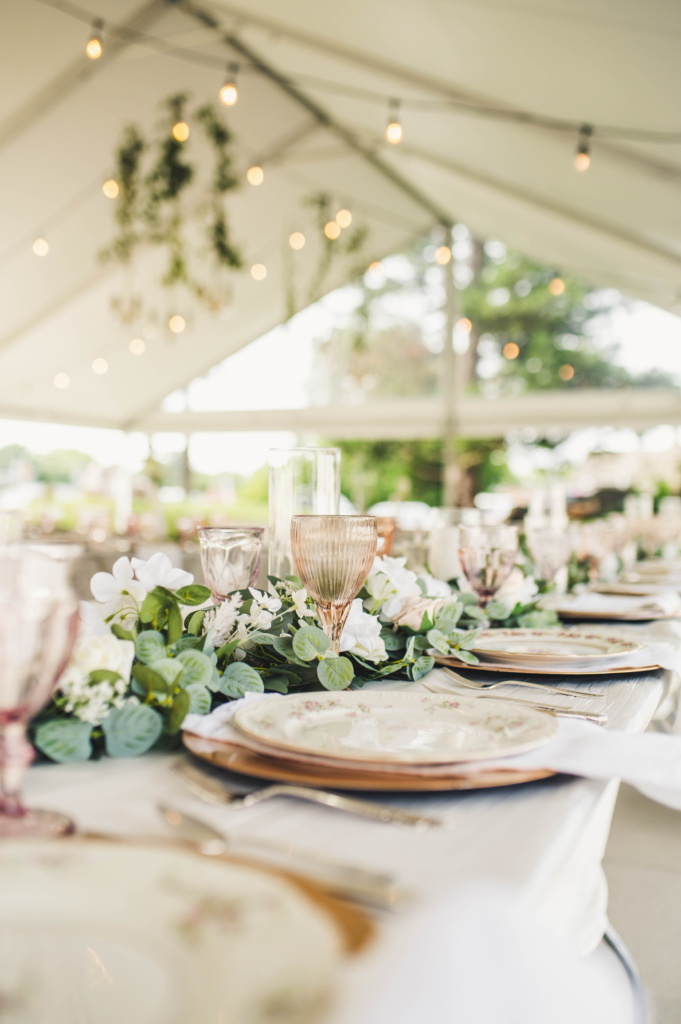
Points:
(476, 684)
(214, 791)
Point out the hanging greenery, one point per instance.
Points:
(158, 207)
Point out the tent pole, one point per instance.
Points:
(449, 381)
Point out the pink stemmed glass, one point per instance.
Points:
(487, 555)
(333, 556)
(38, 628)
(230, 556)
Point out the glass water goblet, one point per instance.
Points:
(333, 556)
(487, 555)
(550, 548)
(38, 628)
(230, 556)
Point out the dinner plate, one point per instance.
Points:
(397, 727)
(552, 647)
(106, 932)
(564, 669)
(280, 769)
(612, 608)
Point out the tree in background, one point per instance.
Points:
(528, 328)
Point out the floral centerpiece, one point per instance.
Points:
(153, 649)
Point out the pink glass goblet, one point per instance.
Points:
(333, 556)
(230, 557)
(38, 627)
(487, 555)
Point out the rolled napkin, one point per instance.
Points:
(666, 602)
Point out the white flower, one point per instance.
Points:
(92, 702)
(219, 622)
(413, 610)
(517, 589)
(158, 571)
(391, 584)
(108, 586)
(299, 599)
(433, 586)
(263, 610)
(105, 651)
(361, 635)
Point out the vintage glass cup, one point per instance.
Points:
(38, 627)
(333, 556)
(550, 548)
(230, 556)
(487, 555)
(303, 481)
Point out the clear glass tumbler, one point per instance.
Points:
(333, 556)
(230, 556)
(303, 481)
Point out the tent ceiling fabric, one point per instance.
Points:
(607, 62)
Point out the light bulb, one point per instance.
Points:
(177, 323)
(110, 188)
(332, 230)
(137, 346)
(464, 323)
(100, 366)
(344, 218)
(94, 48)
(229, 94)
(255, 175)
(61, 380)
(511, 350)
(557, 286)
(41, 247)
(374, 267)
(296, 240)
(393, 132)
(258, 271)
(180, 131)
(583, 154)
(566, 372)
(443, 255)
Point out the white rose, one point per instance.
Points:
(413, 611)
(517, 589)
(433, 586)
(103, 651)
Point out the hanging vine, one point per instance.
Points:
(164, 204)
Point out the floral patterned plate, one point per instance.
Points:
(395, 727)
(552, 647)
(107, 933)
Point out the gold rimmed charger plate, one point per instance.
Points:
(281, 769)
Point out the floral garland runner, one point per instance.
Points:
(153, 649)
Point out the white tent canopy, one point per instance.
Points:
(313, 113)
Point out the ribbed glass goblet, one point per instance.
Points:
(333, 556)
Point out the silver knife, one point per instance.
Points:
(588, 716)
(360, 885)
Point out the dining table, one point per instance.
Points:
(543, 840)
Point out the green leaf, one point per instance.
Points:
(393, 641)
(122, 634)
(152, 608)
(104, 675)
(277, 682)
(197, 669)
(168, 669)
(64, 740)
(467, 656)
(199, 699)
(195, 621)
(284, 645)
(193, 594)
(421, 667)
(131, 730)
(498, 610)
(448, 616)
(335, 673)
(310, 642)
(188, 642)
(469, 641)
(174, 623)
(150, 646)
(239, 679)
(178, 713)
(439, 641)
(152, 681)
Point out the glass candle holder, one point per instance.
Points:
(230, 556)
(303, 481)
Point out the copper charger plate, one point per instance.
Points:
(246, 762)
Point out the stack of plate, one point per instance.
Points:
(554, 652)
(617, 606)
(380, 740)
